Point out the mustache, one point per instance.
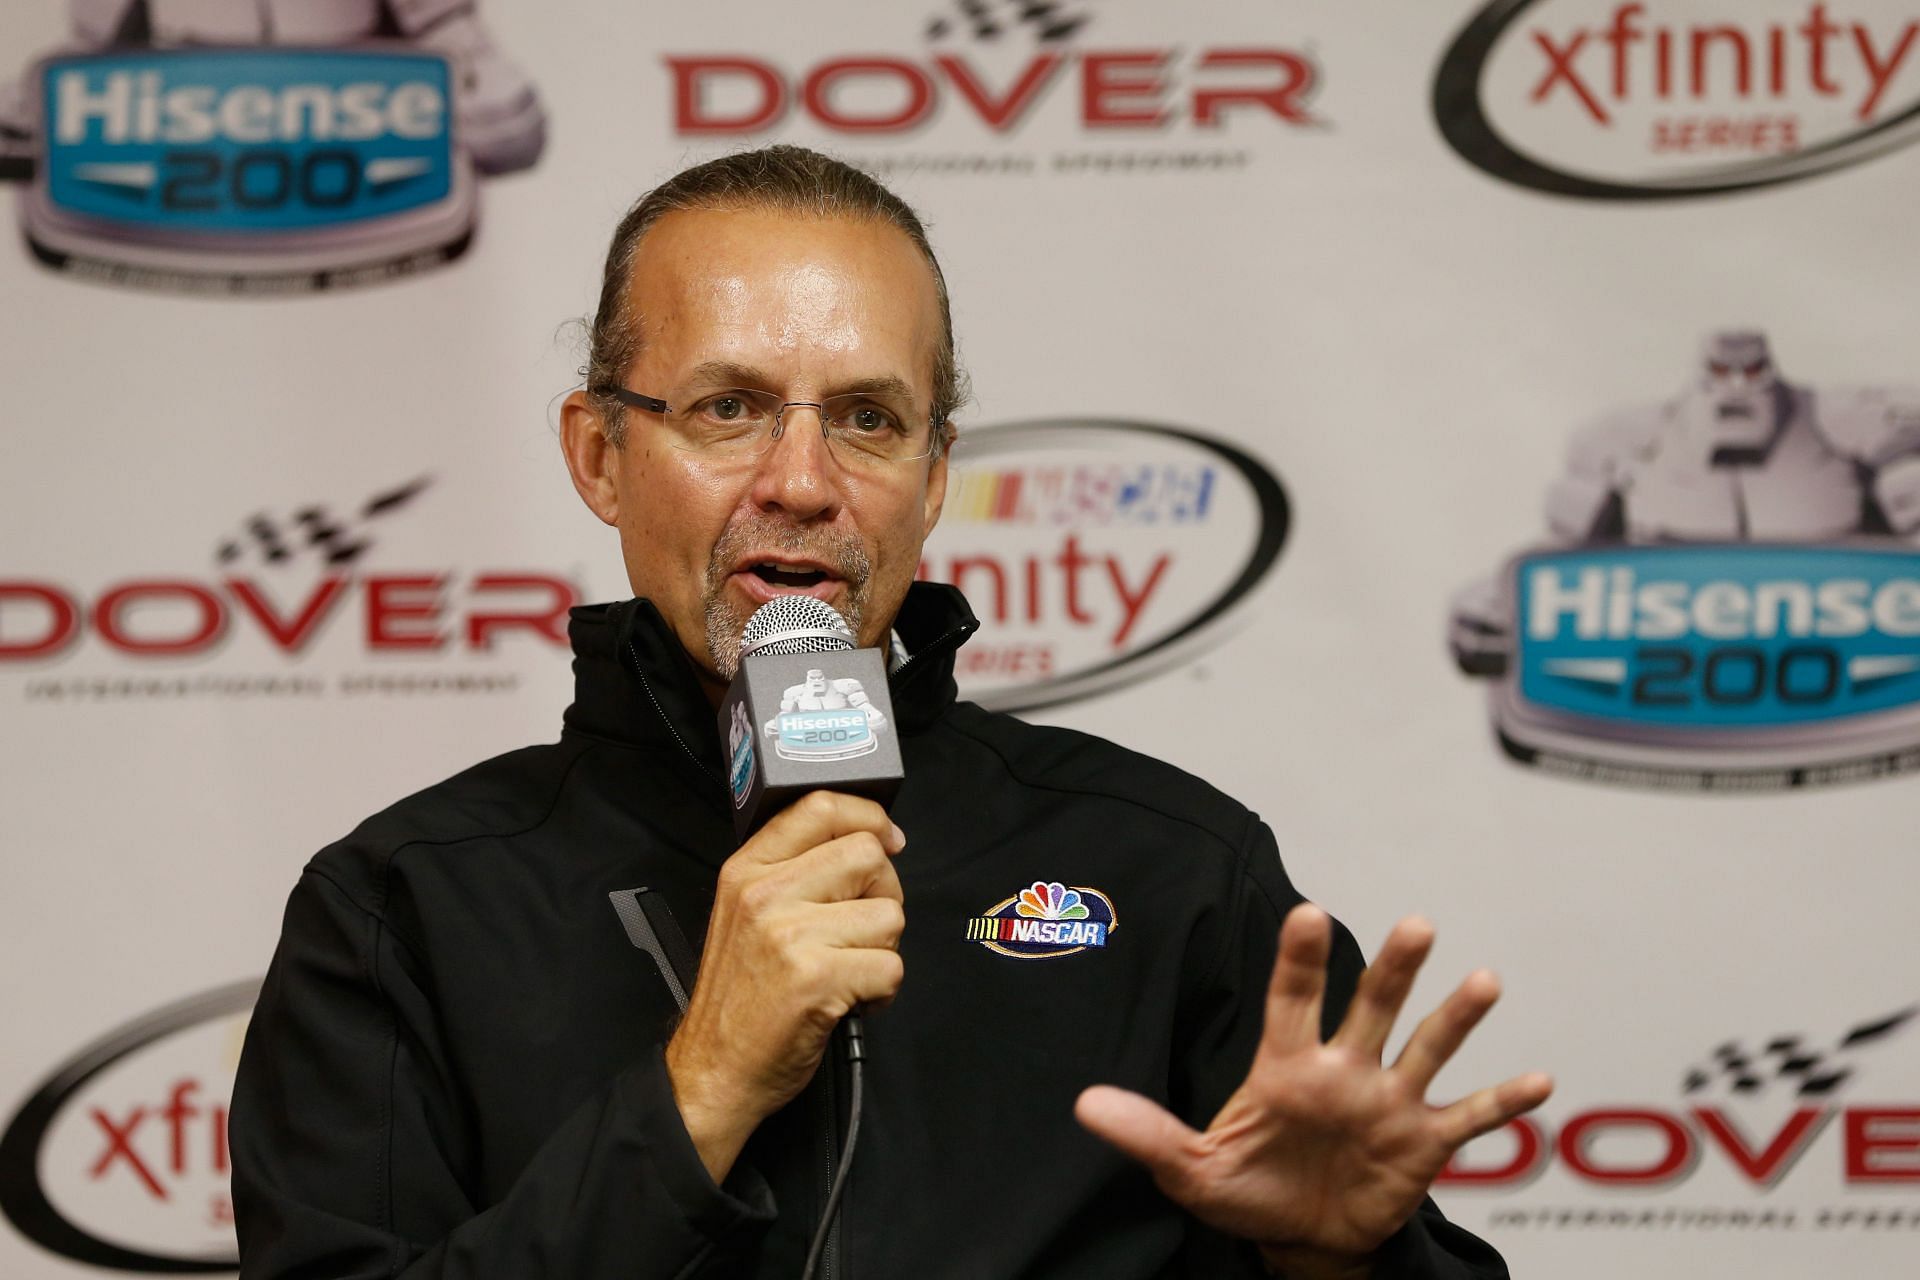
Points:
(837, 548)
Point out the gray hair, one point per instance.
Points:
(787, 178)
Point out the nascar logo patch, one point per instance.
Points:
(1044, 920)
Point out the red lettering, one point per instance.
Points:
(550, 622)
(1530, 1145)
(1703, 37)
(692, 115)
(1071, 562)
(220, 1156)
(1883, 1144)
(1104, 89)
(817, 94)
(109, 622)
(120, 1147)
(1770, 1165)
(176, 1113)
(1560, 67)
(1004, 113)
(63, 620)
(961, 566)
(1282, 99)
(1582, 1129)
(291, 635)
(397, 600)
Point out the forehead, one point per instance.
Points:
(786, 292)
(1736, 348)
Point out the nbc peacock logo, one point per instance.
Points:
(1044, 920)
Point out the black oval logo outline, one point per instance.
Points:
(1461, 115)
(1275, 522)
(23, 1199)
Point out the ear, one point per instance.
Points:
(590, 456)
(937, 483)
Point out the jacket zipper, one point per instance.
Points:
(935, 646)
(666, 719)
(829, 1068)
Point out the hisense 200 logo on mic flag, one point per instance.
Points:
(1732, 598)
(1659, 99)
(185, 160)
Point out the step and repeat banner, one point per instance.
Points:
(1481, 435)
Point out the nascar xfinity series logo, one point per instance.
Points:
(1099, 552)
(246, 168)
(1741, 608)
(119, 1157)
(1655, 99)
(1044, 920)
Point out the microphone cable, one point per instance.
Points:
(857, 1070)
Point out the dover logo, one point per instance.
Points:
(1625, 100)
(1044, 920)
(1098, 553)
(248, 170)
(119, 1158)
(825, 719)
(1735, 613)
(1761, 1137)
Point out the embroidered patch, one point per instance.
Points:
(1044, 920)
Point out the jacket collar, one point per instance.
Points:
(634, 684)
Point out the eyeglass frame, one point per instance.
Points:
(653, 404)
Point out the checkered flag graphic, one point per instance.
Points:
(336, 541)
(1048, 20)
(1812, 1071)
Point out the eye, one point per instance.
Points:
(1757, 368)
(727, 408)
(1719, 369)
(868, 418)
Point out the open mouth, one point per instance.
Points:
(792, 577)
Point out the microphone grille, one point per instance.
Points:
(795, 624)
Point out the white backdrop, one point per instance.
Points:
(1408, 342)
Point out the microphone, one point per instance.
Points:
(807, 711)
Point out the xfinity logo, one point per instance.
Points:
(1655, 99)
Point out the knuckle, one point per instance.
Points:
(820, 805)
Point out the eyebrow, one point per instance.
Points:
(725, 373)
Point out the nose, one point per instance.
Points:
(798, 474)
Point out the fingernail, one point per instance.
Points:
(899, 837)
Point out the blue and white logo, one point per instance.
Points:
(249, 168)
(247, 140)
(1742, 637)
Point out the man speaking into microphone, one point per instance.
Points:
(1090, 1048)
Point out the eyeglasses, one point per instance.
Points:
(861, 428)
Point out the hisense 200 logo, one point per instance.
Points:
(1736, 600)
(1633, 100)
(247, 169)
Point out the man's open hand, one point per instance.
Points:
(1322, 1153)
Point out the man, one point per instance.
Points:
(460, 1067)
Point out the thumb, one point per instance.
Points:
(1139, 1127)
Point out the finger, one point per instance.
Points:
(1138, 1127)
(1299, 980)
(1440, 1035)
(853, 866)
(1487, 1110)
(814, 819)
(868, 975)
(1383, 987)
(864, 922)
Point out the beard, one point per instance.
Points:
(839, 550)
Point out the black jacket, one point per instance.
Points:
(455, 1071)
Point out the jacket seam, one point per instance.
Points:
(387, 860)
(1027, 780)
